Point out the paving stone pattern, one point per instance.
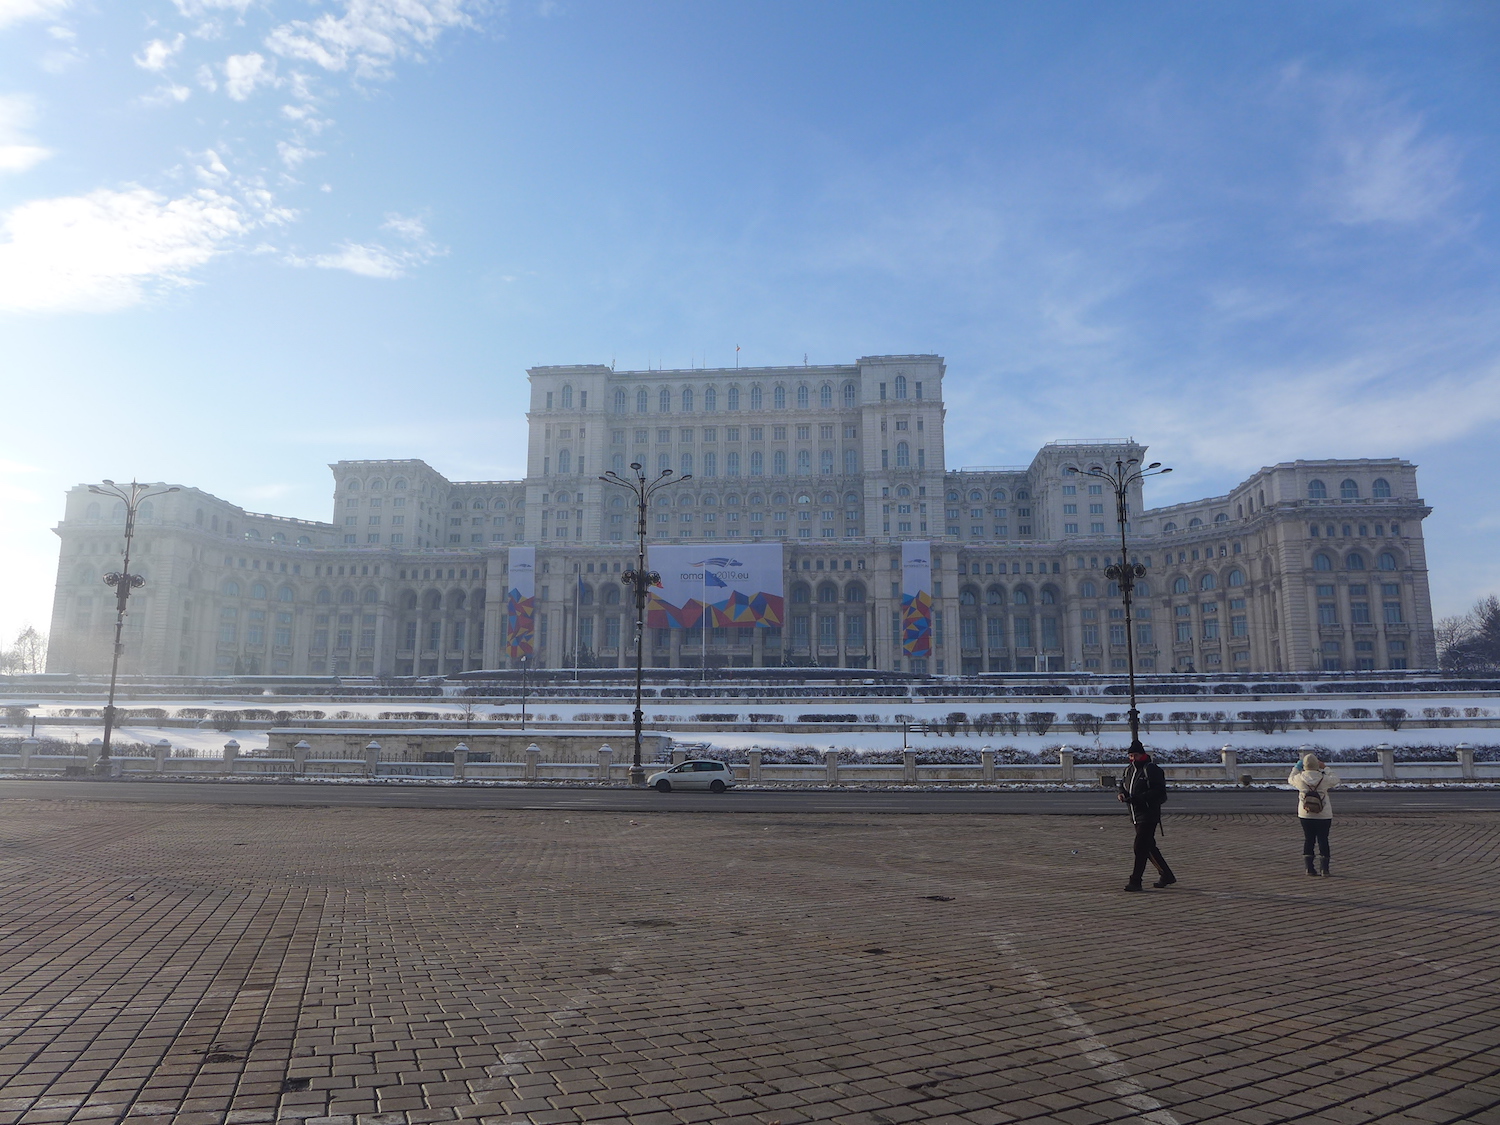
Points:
(201, 965)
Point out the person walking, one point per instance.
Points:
(1312, 780)
(1144, 789)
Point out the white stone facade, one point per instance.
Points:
(1307, 565)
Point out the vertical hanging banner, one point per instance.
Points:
(520, 604)
(733, 586)
(916, 598)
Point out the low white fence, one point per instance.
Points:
(608, 767)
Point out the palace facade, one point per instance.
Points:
(1305, 565)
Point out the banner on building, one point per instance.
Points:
(520, 604)
(916, 598)
(738, 586)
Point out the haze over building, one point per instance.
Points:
(1305, 565)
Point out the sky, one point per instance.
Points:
(240, 240)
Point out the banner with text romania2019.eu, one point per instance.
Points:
(738, 585)
(916, 598)
(520, 604)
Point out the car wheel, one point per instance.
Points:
(664, 786)
(716, 787)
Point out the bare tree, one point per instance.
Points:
(28, 656)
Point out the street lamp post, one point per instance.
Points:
(1125, 573)
(123, 581)
(524, 661)
(640, 580)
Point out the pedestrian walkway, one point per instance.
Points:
(207, 965)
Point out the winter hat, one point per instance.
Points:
(1310, 762)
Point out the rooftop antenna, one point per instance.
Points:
(804, 359)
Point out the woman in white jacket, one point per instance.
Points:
(1312, 780)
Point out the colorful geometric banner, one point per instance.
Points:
(737, 586)
(916, 598)
(520, 604)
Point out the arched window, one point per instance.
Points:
(854, 592)
(146, 511)
(998, 494)
(851, 462)
(778, 398)
(1387, 561)
(975, 494)
(1088, 590)
(1049, 596)
(324, 597)
(1236, 577)
(564, 497)
(851, 499)
(278, 537)
(1169, 526)
(304, 541)
(370, 596)
(710, 464)
(433, 601)
(995, 595)
(564, 461)
(1207, 582)
(286, 594)
(1195, 522)
(1381, 489)
(611, 595)
(1322, 562)
(642, 401)
(903, 455)
(804, 462)
(1348, 490)
(687, 464)
(710, 400)
(664, 401)
(499, 504)
(1022, 494)
(1023, 597)
(567, 396)
(619, 400)
(585, 594)
(617, 462)
(778, 463)
(825, 396)
(801, 593)
(409, 600)
(755, 397)
(352, 485)
(258, 591)
(900, 386)
(850, 394)
(1179, 585)
(92, 513)
(734, 398)
(477, 505)
(1317, 490)
(1222, 517)
(757, 463)
(1143, 588)
(231, 588)
(828, 593)
(687, 400)
(825, 462)
(802, 402)
(969, 595)
(953, 495)
(1355, 561)
(346, 597)
(400, 484)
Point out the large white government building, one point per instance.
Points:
(1307, 565)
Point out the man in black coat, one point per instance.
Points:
(1144, 789)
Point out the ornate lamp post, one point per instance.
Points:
(123, 581)
(640, 580)
(1125, 572)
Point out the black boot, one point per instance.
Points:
(1310, 869)
(1325, 866)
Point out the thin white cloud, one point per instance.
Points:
(170, 94)
(18, 150)
(17, 11)
(243, 73)
(373, 259)
(370, 35)
(109, 249)
(156, 54)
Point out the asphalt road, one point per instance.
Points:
(1038, 802)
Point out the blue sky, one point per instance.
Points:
(241, 240)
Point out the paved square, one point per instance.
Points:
(208, 964)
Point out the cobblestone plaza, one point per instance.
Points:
(200, 964)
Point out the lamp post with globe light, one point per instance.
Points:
(641, 580)
(124, 582)
(1126, 472)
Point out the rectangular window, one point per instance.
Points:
(1049, 633)
(1393, 613)
(1211, 629)
(1239, 626)
(1091, 634)
(828, 631)
(1184, 632)
(968, 632)
(1328, 613)
(1117, 634)
(1143, 634)
(937, 624)
(345, 638)
(854, 630)
(1359, 613)
(995, 632)
(1022, 632)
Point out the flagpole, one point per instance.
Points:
(703, 660)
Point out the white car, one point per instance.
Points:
(700, 774)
